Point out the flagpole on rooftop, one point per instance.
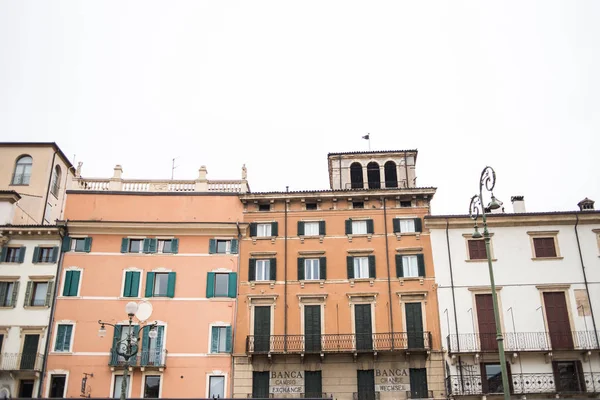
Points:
(368, 138)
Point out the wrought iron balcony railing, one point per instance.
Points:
(365, 396)
(338, 343)
(21, 362)
(144, 358)
(542, 383)
(522, 341)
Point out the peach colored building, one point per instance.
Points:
(172, 244)
(337, 295)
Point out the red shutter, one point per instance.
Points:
(477, 250)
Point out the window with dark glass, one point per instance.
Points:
(152, 386)
(311, 206)
(373, 175)
(544, 247)
(22, 171)
(57, 386)
(568, 376)
(78, 244)
(38, 294)
(264, 207)
(358, 204)
(391, 176)
(13, 254)
(161, 283)
(477, 249)
(356, 176)
(6, 294)
(405, 204)
(55, 186)
(45, 254)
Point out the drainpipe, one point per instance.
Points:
(62, 233)
(234, 324)
(48, 188)
(285, 285)
(387, 260)
(587, 289)
(460, 371)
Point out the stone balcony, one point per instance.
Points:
(117, 184)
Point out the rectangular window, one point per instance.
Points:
(359, 227)
(223, 246)
(361, 267)
(311, 229)
(477, 250)
(216, 386)
(48, 213)
(264, 207)
(358, 204)
(57, 386)
(263, 269)
(493, 378)
(45, 255)
(407, 225)
(410, 266)
(263, 230)
(568, 376)
(71, 284)
(13, 254)
(221, 285)
(219, 339)
(63, 338)
(38, 294)
(405, 204)
(78, 244)
(544, 247)
(311, 206)
(165, 245)
(136, 245)
(131, 287)
(311, 269)
(117, 386)
(161, 283)
(152, 386)
(6, 294)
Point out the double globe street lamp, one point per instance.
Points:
(127, 346)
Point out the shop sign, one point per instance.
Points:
(284, 382)
(391, 380)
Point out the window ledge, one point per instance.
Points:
(546, 258)
(221, 298)
(354, 280)
(6, 308)
(255, 238)
(60, 353)
(369, 236)
(36, 307)
(480, 260)
(420, 279)
(399, 235)
(19, 184)
(10, 262)
(321, 282)
(77, 297)
(320, 237)
(270, 283)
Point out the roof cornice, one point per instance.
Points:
(425, 191)
(155, 228)
(520, 219)
(9, 195)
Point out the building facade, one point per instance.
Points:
(337, 295)
(166, 244)
(547, 275)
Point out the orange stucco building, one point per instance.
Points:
(172, 245)
(337, 294)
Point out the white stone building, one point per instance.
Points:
(547, 269)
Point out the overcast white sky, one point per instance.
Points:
(279, 84)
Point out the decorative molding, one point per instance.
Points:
(360, 251)
(542, 233)
(408, 249)
(311, 252)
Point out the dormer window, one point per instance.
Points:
(264, 207)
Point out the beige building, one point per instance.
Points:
(38, 173)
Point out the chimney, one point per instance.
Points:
(586, 205)
(518, 203)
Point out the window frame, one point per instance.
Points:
(220, 327)
(361, 266)
(318, 268)
(74, 242)
(124, 276)
(161, 250)
(9, 297)
(160, 384)
(34, 286)
(156, 275)
(64, 281)
(312, 224)
(360, 221)
(56, 177)
(226, 275)
(23, 173)
(264, 224)
(227, 246)
(405, 268)
(267, 271)
(113, 385)
(40, 259)
(57, 372)
(17, 258)
(129, 243)
(468, 237)
(208, 376)
(71, 340)
(544, 235)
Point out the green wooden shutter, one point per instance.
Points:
(124, 245)
(146, 346)
(371, 266)
(60, 338)
(228, 340)
(274, 229)
(75, 275)
(321, 228)
(253, 229)
(350, 266)
(300, 228)
(67, 339)
(66, 243)
(116, 339)
(273, 269)
(54, 254)
(36, 255)
(3, 290)
(396, 224)
(370, 227)
(418, 383)
(212, 246)
(127, 286)
(15, 294)
(87, 244)
(171, 285)
(322, 268)
(418, 225)
(21, 254)
(67, 285)
(149, 284)
(146, 246)
(214, 340)
(234, 246)
(210, 285)
(300, 268)
(152, 245)
(3, 255)
(49, 293)
(175, 246)
(421, 264)
(399, 268)
(251, 269)
(232, 287)
(135, 284)
(28, 294)
(348, 227)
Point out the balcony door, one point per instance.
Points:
(362, 327)
(414, 325)
(486, 322)
(312, 328)
(557, 317)
(366, 384)
(568, 376)
(262, 329)
(30, 348)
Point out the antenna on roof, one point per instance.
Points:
(173, 166)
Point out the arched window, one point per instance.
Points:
(373, 175)
(22, 171)
(391, 177)
(56, 181)
(356, 176)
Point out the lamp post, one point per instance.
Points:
(488, 180)
(127, 347)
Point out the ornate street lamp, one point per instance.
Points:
(127, 347)
(488, 179)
